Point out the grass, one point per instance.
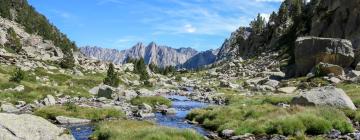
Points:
(151, 100)
(140, 130)
(59, 83)
(70, 110)
(258, 116)
(353, 91)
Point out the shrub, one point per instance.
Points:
(13, 44)
(152, 100)
(68, 61)
(17, 76)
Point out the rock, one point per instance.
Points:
(353, 74)
(357, 68)
(69, 120)
(334, 134)
(145, 92)
(9, 108)
(272, 83)
(49, 100)
(334, 80)
(77, 72)
(105, 91)
(246, 136)
(227, 133)
(326, 69)
(227, 84)
(330, 96)
(145, 108)
(287, 90)
(310, 51)
(129, 94)
(169, 111)
(19, 88)
(29, 127)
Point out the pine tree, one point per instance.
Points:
(258, 24)
(112, 78)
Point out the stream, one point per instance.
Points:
(183, 106)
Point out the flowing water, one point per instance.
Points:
(183, 106)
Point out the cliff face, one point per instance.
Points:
(338, 19)
(153, 53)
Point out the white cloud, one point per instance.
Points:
(189, 28)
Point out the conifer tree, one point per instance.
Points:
(112, 78)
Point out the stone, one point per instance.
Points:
(310, 51)
(334, 80)
(334, 134)
(287, 90)
(70, 120)
(77, 72)
(246, 136)
(227, 133)
(19, 88)
(353, 74)
(329, 96)
(49, 100)
(145, 108)
(145, 92)
(357, 68)
(9, 108)
(272, 83)
(327, 69)
(105, 91)
(30, 127)
(169, 111)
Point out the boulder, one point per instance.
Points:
(272, 83)
(353, 74)
(227, 133)
(310, 51)
(329, 96)
(357, 66)
(169, 111)
(9, 108)
(145, 108)
(287, 90)
(103, 91)
(145, 92)
(70, 120)
(29, 127)
(49, 100)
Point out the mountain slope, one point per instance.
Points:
(153, 53)
(201, 59)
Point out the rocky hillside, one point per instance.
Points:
(152, 53)
(201, 59)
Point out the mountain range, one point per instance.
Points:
(152, 54)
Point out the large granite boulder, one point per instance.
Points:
(329, 96)
(29, 127)
(310, 51)
(70, 120)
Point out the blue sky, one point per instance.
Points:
(120, 24)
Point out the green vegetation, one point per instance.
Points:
(164, 71)
(17, 76)
(352, 90)
(13, 44)
(35, 23)
(140, 130)
(256, 115)
(68, 61)
(112, 78)
(56, 83)
(151, 100)
(71, 110)
(140, 68)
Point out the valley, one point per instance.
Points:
(293, 76)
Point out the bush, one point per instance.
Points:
(140, 130)
(68, 61)
(71, 110)
(17, 76)
(13, 44)
(112, 78)
(152, 100)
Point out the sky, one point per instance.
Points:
(120, 24)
